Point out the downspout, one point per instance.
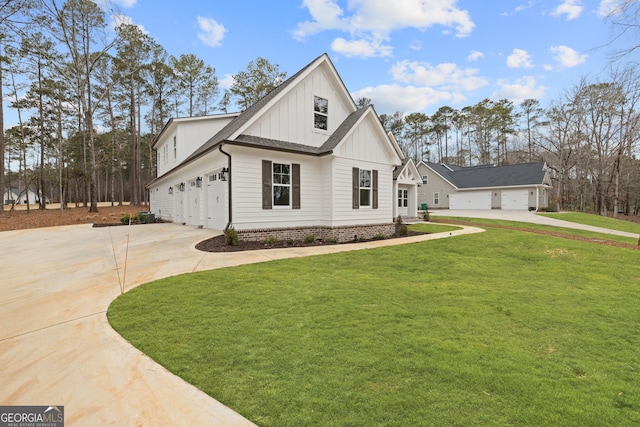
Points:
(230, 192)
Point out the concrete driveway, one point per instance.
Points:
(524, 216)
(56, 346)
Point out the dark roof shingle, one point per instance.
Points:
(492, 176)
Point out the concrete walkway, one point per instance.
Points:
(56, 346)
(526, 216)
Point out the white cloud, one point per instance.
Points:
(118, 20)
(391, 98)
(519, 59)
(416, 45)
(566, 56)
(446, 75)
(571, 8)
(211, 33)
(609, 8)
(107, 4)
(475, 55)
(361, 48)
(227, 81)
(519, 90)
(376, 20)
(125, 3)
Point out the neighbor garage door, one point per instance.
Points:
(515, 199)
(475, 200)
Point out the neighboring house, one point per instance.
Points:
(521, 187)
(303, 160)
(9, 197)
(19, 197)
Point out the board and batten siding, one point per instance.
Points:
(190, 134)
(291, 118)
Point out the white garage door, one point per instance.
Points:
(515, 199)
(475, 200)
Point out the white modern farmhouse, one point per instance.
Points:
(303, 160)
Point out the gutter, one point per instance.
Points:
(230, 187)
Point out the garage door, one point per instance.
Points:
(515, 199)
(475, 200)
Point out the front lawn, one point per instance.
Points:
(597, 221)
(501, 328)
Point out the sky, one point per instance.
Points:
(405, 55)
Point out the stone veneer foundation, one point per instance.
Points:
(338, 234)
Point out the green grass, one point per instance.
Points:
(597, 221)
(531, 226)
(502, 328)
(430, 227)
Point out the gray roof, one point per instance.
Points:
(492, 176)
(222, 137)
(245, 116)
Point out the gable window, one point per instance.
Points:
(280, 185)
(425, 179)
(436, 198)
(365, 188)
(166, 153)
(403, 198)
(175, 148)
(320, 113)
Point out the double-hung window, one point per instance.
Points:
(320, 113)
(436, 198)
(281, 184)
(425, 179)
(365, 187)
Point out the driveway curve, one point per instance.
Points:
(56, 346)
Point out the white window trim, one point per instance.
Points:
(436, 198)
(175, 149)
(315, 129)
(273, 185)
(370, 188)
(403, 197)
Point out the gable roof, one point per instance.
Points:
(486, 176)
(410, 168)
(231, 133)
(247, 115)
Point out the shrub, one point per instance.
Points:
(403, 230)
(309, 239)
(289, 242)
(379, 237)
(231, 237)
(125, 218)
(270, 241)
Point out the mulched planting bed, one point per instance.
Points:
(218, 244)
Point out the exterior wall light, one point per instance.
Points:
(225, 174)
(181, 186)
(170, 190)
